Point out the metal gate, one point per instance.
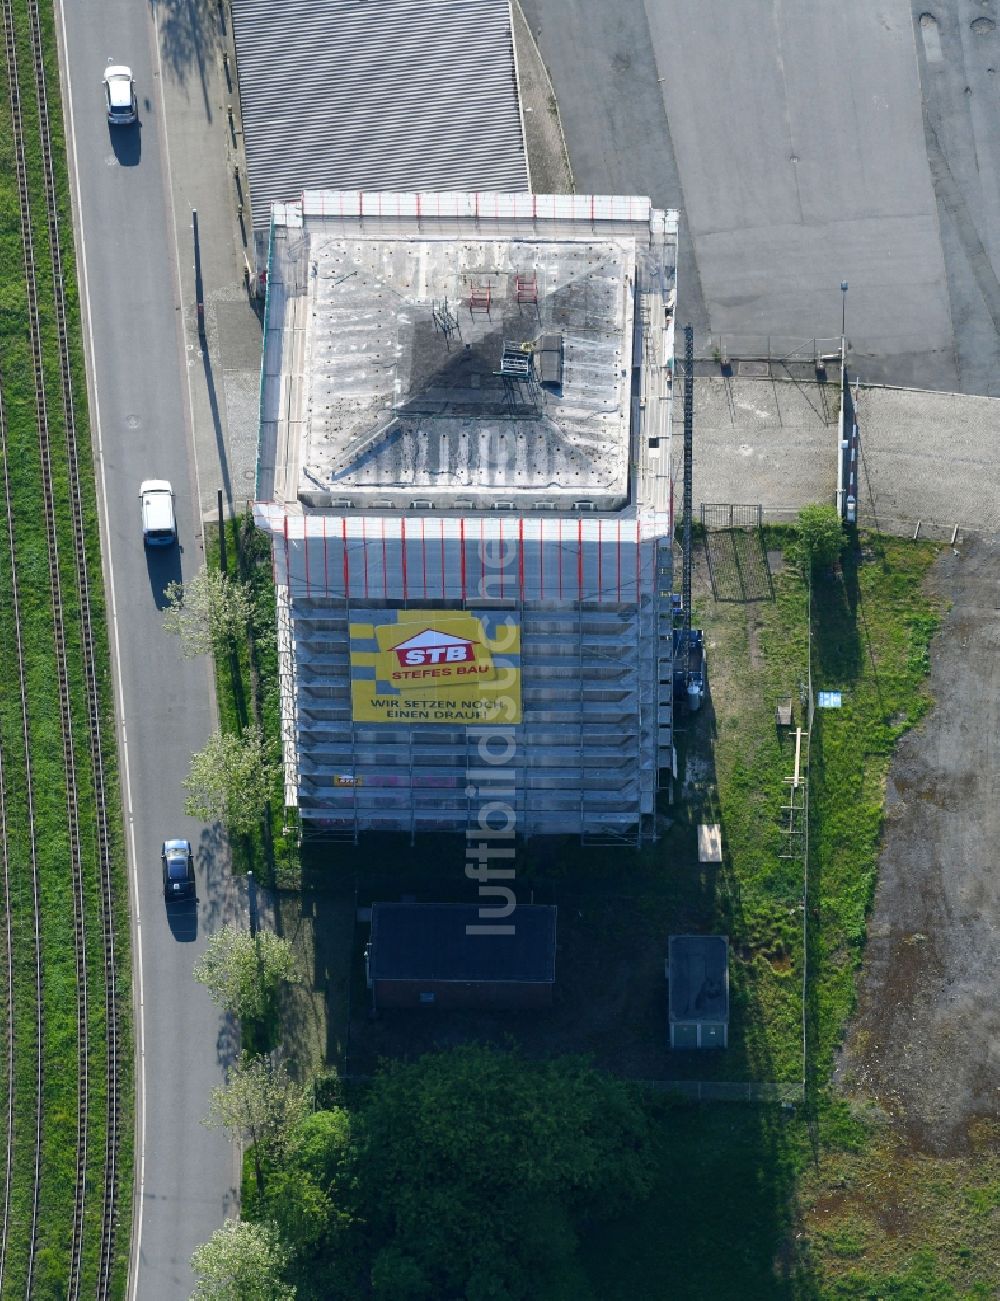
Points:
(734, 547)
(717, 515)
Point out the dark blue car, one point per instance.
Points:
(178, 870)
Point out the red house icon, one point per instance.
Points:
(431, 647)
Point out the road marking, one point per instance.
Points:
(931, 36)
(135, 912)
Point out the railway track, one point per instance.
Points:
(8, 915)
(89, 662)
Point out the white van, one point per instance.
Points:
(159, 528)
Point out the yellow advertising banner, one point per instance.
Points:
(436, 666)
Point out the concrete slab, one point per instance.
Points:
(775, 442)
(929, 457)
(709, 842)
(801, 150)
(761, 441)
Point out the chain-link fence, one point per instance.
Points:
(731, 1090)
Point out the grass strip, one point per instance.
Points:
(60, 1046)
(247, 688)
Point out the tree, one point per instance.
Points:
(311, 1196)
(241, 1262)
(208, 612)
(468, 1173)
(259, 1104)
(242, 972)
(460, 1151)
(231, 779)
(821, 536)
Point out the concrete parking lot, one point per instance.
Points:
(805, 145)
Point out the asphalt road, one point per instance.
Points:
(139, 406)
(805, 145)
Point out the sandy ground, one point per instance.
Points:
(925, 1041)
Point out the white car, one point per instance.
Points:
(119, 94)
(159, 527)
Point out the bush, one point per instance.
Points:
(820, 537)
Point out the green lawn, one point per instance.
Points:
(825, 1202)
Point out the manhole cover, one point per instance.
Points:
(755, 368)
(132, 422)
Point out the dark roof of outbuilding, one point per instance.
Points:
(377, 95)
(429, 941)
(699, 977)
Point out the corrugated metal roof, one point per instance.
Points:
(377, 95)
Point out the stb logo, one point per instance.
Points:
(430, 647)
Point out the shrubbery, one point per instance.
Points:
(467, 1173)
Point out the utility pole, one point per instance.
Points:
(843, 314)
(688, 490)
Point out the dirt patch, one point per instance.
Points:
(548, 160)
(753, 640)
(925, 1041)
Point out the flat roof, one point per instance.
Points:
(698, 967)
(407, 344)
(430, 941)
(377, 95)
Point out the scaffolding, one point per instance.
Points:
(570, 489)
(593, 641)
(480, 298)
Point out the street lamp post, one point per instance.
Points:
(843, 311)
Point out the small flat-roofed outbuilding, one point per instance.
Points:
(698, 976)
(447, 954)
(709, 842)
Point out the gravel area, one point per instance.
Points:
(930, 457)
(925, 1042)
(927, 457)
(758, 441)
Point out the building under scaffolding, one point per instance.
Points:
(464, 463)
